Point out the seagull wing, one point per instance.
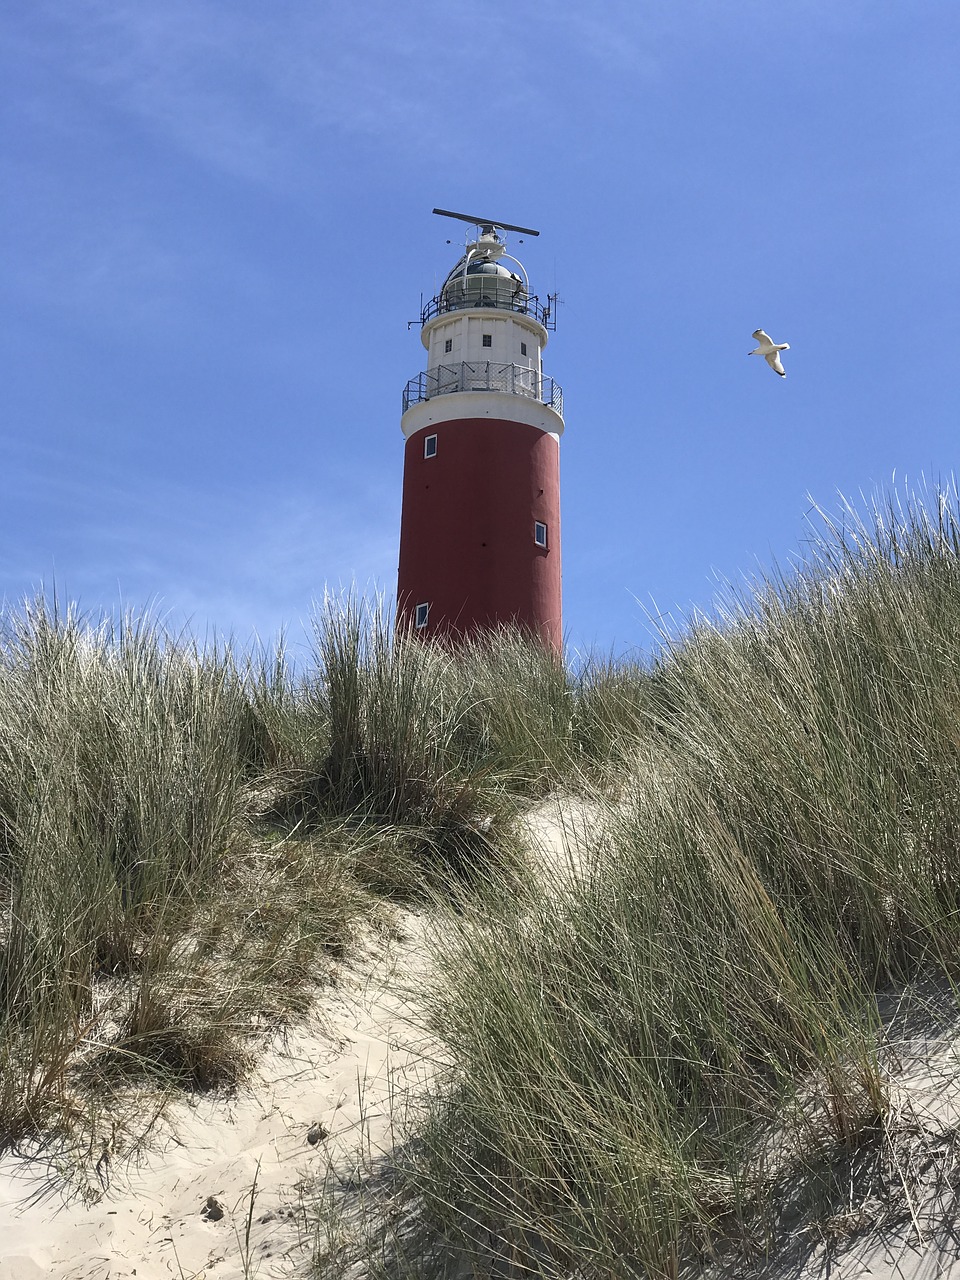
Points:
(762, 337)
(773, 360)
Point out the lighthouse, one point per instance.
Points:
(480, 521)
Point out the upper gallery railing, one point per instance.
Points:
(489, 291)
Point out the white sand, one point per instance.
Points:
(339, 1073)
(914, 1236)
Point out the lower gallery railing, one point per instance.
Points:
(483, 375)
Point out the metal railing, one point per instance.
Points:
(493, 293)
(483, 375)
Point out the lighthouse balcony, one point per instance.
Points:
(483, 375)
(491, 292)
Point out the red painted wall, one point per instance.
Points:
(467, 528)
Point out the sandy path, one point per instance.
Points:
(561, 833)
(182, 1211)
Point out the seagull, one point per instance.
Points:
(770, 351)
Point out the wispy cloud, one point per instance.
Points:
(268, 93)
(258, 91)
(245, 560)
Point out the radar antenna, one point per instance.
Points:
(486, 225)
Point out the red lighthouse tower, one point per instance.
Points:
(480, 523)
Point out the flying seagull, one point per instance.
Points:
(770, 351)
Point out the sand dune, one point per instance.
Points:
(182, 1210)
(324, 1100)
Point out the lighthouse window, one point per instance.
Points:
(488, 339)
(421, 614)
(523, 348)
(540, 533)
(448, 345)
(430, 447)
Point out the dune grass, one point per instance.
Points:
(426, 750)
(188, 833)
(142, 924)
(653, 1056)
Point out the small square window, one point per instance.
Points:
(421, 614)
(488, 339)
(448, 345)
(523, 348)
(430, 447)
(540, 533)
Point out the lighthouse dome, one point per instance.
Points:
(482, 283)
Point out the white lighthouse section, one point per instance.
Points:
(484, 344)
(515, 339)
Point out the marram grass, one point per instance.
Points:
(661, 1058)
(186, 832)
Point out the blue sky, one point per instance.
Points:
(217, 225)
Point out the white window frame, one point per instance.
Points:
(447, 345)
(486, 340)
(421, 615)
(540, 533)
(427, 451)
